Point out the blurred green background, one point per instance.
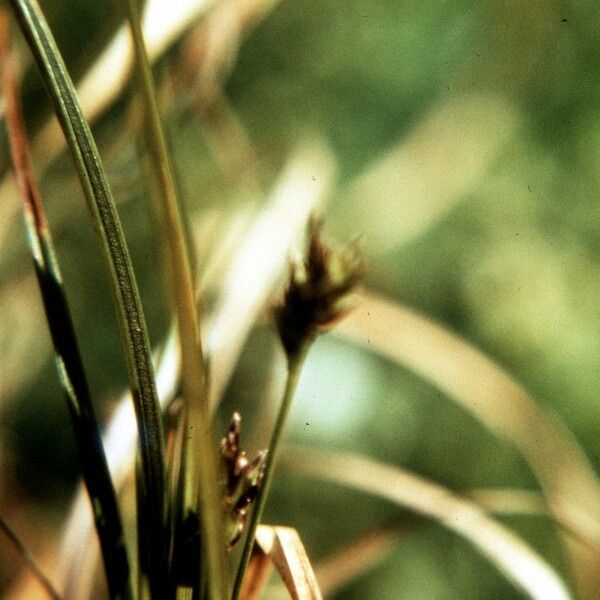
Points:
(467, 141)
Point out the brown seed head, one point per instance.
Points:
(318, 291)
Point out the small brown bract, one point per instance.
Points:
(241, 486)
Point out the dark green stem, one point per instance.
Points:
(70, 367)
(199, 470)
(128, 305)
(295, 363)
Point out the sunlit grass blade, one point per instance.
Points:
(481, 387)
(516, 502)
(128, 305)
(199, 472)
(257, 574)
(30, 561)
(70, 367)
(510, 554)
(350, 562)
(570, 486)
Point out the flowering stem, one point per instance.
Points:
(295, 363)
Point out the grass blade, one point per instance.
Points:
(516, 502)
(258, 259)
(32, 564)
(70, 367)
(105, 80)
(524, 567)
(473, 380)
(199, 471)
(131, 319)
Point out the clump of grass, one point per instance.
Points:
(189, 515)
(112, 244)
(194, 505)
(68, 359)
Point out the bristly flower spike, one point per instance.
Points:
(318, 291)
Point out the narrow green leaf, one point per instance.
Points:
(128, 305)
(70, 367)
(199, 493)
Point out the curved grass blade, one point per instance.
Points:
(525, 503)
(199, 471)
(128, 305)
(483, 388)
(32, 564)
(513, 557)
(480, 386)
(68, 359)
(348, 563)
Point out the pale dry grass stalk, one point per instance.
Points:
(494, 398)
(511, 555)
(281, 548)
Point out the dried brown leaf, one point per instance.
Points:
(283, 547)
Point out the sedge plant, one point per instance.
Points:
(196, 501)
(187, 517)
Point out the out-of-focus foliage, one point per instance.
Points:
(467, 137)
